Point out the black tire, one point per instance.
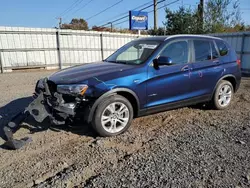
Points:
(96, 120)
(215, 100)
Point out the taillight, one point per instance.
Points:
(238, 62)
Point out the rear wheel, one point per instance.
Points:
(223, 95)
(113, 116)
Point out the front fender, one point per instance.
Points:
(109, 94)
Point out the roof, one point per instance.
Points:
(154, 38)
(163, 38)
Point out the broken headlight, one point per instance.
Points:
(39, 84)
(74, 89)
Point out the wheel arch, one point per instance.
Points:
(229, 77)
(125, 92)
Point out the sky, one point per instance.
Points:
(43, 13)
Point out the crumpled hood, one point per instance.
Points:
(78, 74)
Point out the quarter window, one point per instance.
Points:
(177, 51)
(222, 47)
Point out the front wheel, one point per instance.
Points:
(113, 116)
(223, 95)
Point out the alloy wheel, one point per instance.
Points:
(225, 95)
(115, 117)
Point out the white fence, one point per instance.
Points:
(51, 48)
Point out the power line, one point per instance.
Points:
(165, 5)
(121, 22)
(72, 6)
(125, 13)
(151, 11)
(152, 5)
(128, 15)
(84, 5)
(115, 20)
(104, 10)
(184, 4)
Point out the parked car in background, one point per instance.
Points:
(145, 76)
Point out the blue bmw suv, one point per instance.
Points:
(145, 76)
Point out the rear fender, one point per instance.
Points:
(222, 78)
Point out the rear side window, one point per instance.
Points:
(204, 50)
(223, 49)
(215, 54)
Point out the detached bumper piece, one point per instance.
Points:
(11, 128)
(45, 105)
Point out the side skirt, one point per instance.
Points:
(174, 105)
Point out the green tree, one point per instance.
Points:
(182, 21)
(76, 24)
(220, 15)
(159, 31)
(247, 28)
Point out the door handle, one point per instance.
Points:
(185, 68)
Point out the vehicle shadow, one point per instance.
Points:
(201, 106)
(245, 75)
(10, 110)
(16, 106)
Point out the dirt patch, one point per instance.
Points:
(187, 147)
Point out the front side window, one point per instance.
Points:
(177, 51)
(135, 52)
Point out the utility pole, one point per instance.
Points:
(58, 43)
(155, 15)
(60, 22)
(201, 11)
(111, 26)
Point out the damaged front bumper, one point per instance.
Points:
(50, 106)
(46, 104)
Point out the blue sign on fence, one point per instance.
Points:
(138, 20)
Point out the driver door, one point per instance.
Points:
(170, 83)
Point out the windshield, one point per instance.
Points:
(135, 52)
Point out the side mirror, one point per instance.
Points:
(163, 60)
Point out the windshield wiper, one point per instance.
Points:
(121, 62)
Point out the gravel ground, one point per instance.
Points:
(187, 147)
